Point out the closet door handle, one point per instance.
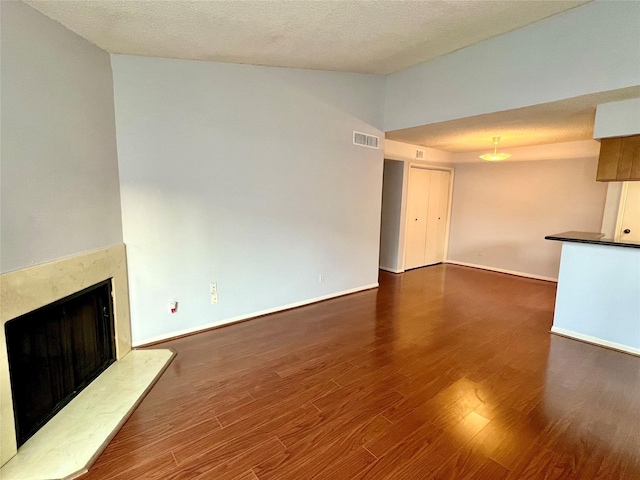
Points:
(626, 230)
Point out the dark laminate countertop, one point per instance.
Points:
(591, 237)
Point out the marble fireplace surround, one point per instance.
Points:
(22, 291)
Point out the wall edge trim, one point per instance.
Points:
(595, 341)
(502, 270)
(392, 270)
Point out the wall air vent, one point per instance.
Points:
(365, 140)
(419, 154)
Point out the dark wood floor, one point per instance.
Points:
(444, 372)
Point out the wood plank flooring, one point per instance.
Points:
(443, 372)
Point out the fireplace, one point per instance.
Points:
(58, 294)
(54, 352)
(30, 289)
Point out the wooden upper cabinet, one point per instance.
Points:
(619, 159)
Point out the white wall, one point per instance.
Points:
(597, 297)
(592, 48)
(247, 176)
(502, 212)
(60, 193)
(617, 119)
(406, 152)
(392, 188)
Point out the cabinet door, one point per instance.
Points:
(619, 159)
(629, 161)
(608, 161)
(416, 221)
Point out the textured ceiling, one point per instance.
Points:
(564, 121)
(368, 36)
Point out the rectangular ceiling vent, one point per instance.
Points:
(419, 154)
(365, 140)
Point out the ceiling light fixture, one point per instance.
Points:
(495, 156)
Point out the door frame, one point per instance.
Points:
(621, 209)
(621, 205)
(403, 208)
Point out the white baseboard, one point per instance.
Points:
(392, 270)
(239, 318)
(502, 270)
(595, 340)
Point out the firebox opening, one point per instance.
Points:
(55, 352)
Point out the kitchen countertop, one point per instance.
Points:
(591, 237)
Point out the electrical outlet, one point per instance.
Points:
(213, 287)
(321, 278)
(214, 298)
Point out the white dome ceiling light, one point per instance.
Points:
(495, 156)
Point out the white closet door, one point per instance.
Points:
(416, 224)
(426, 225)
(437, 190)
(443, 210)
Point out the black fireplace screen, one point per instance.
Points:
(56, 351)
